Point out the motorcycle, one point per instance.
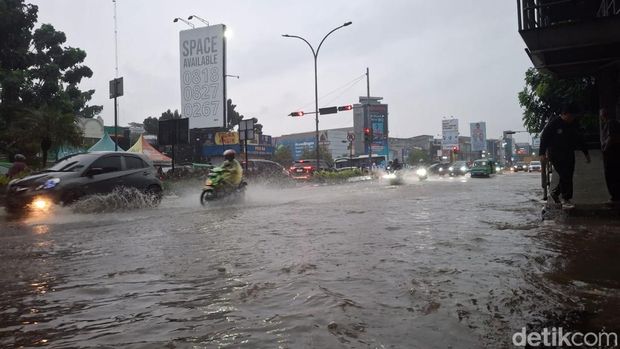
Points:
(393, 175)
(215, 189)
(422, 173)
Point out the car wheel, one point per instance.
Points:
(70, 197)
(155, 194)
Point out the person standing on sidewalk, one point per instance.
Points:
(558, 142)
(610, 145)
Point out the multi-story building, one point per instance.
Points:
(334, 140)
(377, 121)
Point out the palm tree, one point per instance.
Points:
(46, 127)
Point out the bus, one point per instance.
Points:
(360, 161)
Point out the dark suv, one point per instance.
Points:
(85, 174)
(304, 169)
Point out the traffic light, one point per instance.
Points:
(367, 134)
(297, 113)
(455, 149)
(345, 107)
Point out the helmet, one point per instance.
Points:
(19, 157)
(229, 154)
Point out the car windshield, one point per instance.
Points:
(480, 163)
(73, 163)
(535, 163)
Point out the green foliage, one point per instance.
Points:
(416, 156)
(151, 125)
(233, 117)
(168, 115)
(39, 79)
(283, 156)
(336, 176)
(544, 96)
(324, 154)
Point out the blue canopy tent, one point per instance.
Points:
(105, 144)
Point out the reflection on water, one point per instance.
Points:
(428, 264)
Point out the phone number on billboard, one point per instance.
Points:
(199, 76)
(196, 110)
(201, 92)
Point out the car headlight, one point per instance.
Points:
(497, 169)
(421, 172)
(441, 169)
(450, 168)
(49, 184)
(463, 168)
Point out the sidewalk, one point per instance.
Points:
(590, 194)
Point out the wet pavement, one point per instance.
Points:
(444, 263)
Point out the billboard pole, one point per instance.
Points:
(368, 118)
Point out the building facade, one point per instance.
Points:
(334, 140)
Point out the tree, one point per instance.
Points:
(324, 154)
(39, 79)
(283, 155)
(47, 127)
(168, 115)
(415, 155)
(151, 125)
(544, 96)
(232, 117)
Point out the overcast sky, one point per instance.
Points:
(427, 59)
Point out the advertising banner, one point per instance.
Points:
(202, 52)
(379, 126)
(226, 138)
(450, 133)
(478, 131)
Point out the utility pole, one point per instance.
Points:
(368, 118)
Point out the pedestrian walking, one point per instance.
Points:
(558, 142)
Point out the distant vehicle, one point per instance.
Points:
(534, 166)
(304, 169)
(458, 168)
(80, 175)
(483, 168)
(360, 161)
(439, 169)
(519, 166)
(265, 170)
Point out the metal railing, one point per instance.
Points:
(536, 14)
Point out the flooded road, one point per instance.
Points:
(446, 263)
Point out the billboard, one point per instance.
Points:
(226, 138)
(478, 131)
(203, 53)
(450, 133)
(379, 126)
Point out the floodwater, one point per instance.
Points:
(444, 263)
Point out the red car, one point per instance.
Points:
(304, 169)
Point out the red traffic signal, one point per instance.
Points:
(345, 107)
(455, 149)
(296, 113)
(367, 131)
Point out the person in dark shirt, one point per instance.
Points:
(19, 166)
(610, 146)
(558, 142)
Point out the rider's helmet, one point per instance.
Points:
(19, 157)
(229, 154)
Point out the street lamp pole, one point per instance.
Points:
(315, 54)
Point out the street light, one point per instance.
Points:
(232, 76)
(198, 18)
(315, 54)
(184, 21)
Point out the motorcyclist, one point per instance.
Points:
(396, 165)
(232, 171)
(19, 166)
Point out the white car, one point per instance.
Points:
(534, 166)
